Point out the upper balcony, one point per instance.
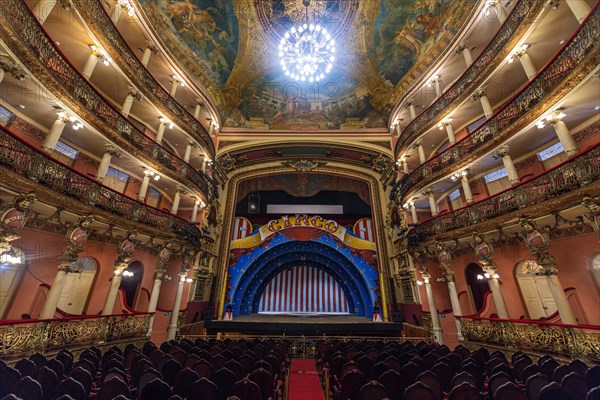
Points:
(26, 166)
(99, 22)
(519, 20)
(563, 184)
(29, 42)
(573, 63)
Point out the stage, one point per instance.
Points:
(298, 325)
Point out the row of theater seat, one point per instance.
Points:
(209, 370)
(404, 371)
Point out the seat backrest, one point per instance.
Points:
(157, 389)
(373, 391)
(465, 377)
(553, 391)
(112, 388)
(47, 378)
(204, 389)
(578, 366)
(234, 367)
(27, 388)
(575, 385)
(498, 380)
(509, 391)
(8, 378)
(548, 367)
(432, 381)
(26, 367)
(534, 385)
(148, 376)
(444, 374)
(418, 391)
(464, 391)
(71, 387)
(184, 381)
(394, 383)
(170, 369)
(247, 390)
(224, 379)
(592, 377)
(264, 380)
(351, 384)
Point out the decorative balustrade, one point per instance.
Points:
(101, 24)
(27, 161)
(576, 172)
(488, 60)
(514, 115)
(581, 341)
(20, 29)
(27, 336)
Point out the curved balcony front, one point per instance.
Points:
(103, 28)
(564, 184)
(519, 20)
(573, 63)
(20, 161)
(20, 30)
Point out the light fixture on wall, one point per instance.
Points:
(10, 257)
(254, 204)
(127, 273)
(151, 174)
(307, 51)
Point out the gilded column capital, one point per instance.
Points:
(112, 150)
(417, 143)
(592, 217)
(503, 150)
(477, 94)
(461, 47)
(136, 94)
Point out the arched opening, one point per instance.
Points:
(533, 285)
(130, 283)
(477, 285)
(595, 269)
(12, 266)
(78, 286)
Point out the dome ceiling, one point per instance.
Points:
(230, 47)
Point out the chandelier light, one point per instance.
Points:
(307, 51)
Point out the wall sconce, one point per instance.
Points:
(177, 78)
(517, 52)
(189, 280)
(551, 119)
(127, 273)
(101, 54)
(152, 174)
(420, 283)
(166, 121)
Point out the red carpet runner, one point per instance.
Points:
(304, 381)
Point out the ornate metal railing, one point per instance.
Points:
(27, 336)
(521, 109)
(576, 172)
(20, 30)
(25, 160)
(488, 60)
(101, 24)
(581, 341)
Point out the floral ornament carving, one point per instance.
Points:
(592, 217)
(444, 258)
(304, 165)
(13, 218)
(538, 243)
(127, 247)
(76, 238)
(484, 251)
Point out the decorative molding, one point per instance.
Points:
(304, 165)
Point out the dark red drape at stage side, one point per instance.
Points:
(302, 234)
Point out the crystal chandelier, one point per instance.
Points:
(307, 51)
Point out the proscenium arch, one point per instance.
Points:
(287, 251)
(227, 207)
(347, 286)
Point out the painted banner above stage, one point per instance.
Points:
(305, 228)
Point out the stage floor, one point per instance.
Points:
(297, 325)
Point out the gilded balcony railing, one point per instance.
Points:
(26, 336)
(522, 14)
(106, 32)
(581, 341)
(579, 171)
(23, 34)
(578, 57)
(27, 161)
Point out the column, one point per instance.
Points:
(579, 8)
(144, 187)
(109, 152)
(413, 212)
(56, 290)
(158, 276)
(150, 48)
(204, 163)
(90, 64)
(497, 293)
(455, 303)
(132, 96)
(432, 204)
(466, 187)
(564, 136)
(464, 50)
(199, 105)
(188, 150)
(446, 123)
(397, 129)
(419, 146)
(511, 171)
(115, 283)
(211, 128)
(161, 129)
(116, 13)
(56, 130)
(195, 211)
(411, 110)
(521, 54)
(562, 303)
(2, 72)
(176, 81)
(178, 192)
(485, 102)
(498, 9)
(172, 328)
(43, 9)
(437, 84)
(404, 165)
(435, 318)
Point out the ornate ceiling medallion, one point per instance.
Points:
(304, 165)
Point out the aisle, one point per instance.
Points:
(304, 381)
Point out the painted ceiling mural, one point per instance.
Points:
(230, 47)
